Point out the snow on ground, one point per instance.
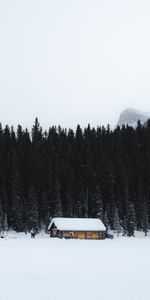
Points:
(54, 269)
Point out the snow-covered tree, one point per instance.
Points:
(145, 222)
(98, 203)
(33, 214)
(17, 201)
(1, 215)
(5, 225)
(116, 221)
(125, 231)
(58, 200)
(106, 221)
(131, 219)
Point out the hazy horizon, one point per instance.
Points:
(73, 62)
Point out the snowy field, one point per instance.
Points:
(53, 269)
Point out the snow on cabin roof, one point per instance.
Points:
(78, 224)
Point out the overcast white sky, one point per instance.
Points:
(73, 61)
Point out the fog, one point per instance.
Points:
(70, 62)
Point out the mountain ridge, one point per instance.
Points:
(131, 116)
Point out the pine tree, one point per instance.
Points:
(45, 212)
(17, 200)
(36, 132)
(58, 200)
(61, 173)
(131, 219)
(33, 214)
(1, 216)
(125, 231)
(145, 222)
(5, 225)
(116, 221)
(98, 205)
(106, 221)
(69, 206)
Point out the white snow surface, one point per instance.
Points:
(56, 269)
(78, 224)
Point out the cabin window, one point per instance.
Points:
(88, 235)
(101, 235)
(68, 234)
(75, 235)
(95, 235)
(81, 235)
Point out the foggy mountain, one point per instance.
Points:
(131, 116)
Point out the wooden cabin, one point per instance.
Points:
(77, 228)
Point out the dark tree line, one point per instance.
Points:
(87, 173)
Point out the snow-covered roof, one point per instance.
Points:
(78, 224)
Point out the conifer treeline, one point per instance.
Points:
(86, 173)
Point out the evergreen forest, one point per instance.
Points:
(98, 173)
